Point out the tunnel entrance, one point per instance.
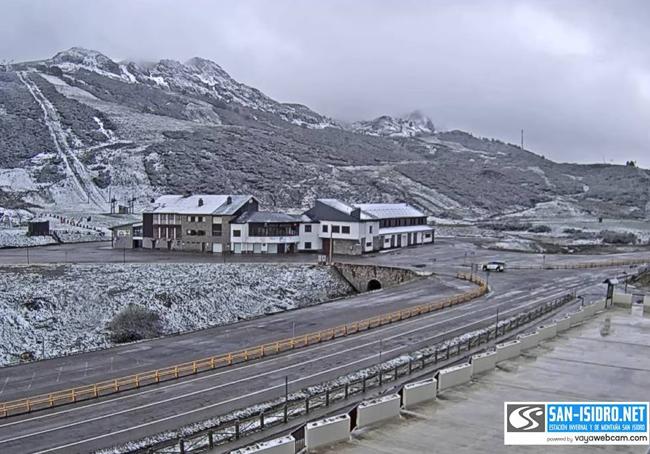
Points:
(374, 284)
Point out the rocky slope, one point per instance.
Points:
(80, 129)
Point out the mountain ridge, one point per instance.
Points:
(80, 128)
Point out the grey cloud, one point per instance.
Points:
(574, 74)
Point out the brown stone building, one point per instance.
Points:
(194, 222)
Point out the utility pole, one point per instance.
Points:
(331, 245)
(522, 139)
(27, 255)
(123, 255)
(286, 390)
(496, 329)
(380, 351)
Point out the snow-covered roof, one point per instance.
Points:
(374, 211)
(389, 210)
(128, 224)
(338, 205)
(266, 217)
(222, 204)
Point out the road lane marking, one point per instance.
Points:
(292, 366)
(4, 385)
(31, 381)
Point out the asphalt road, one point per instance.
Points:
(119, 418)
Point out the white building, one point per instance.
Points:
(360, 228)
(266, 233)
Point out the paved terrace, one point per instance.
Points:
(579, 365)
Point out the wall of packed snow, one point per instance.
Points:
(68, 306)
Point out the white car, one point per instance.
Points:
(495, 266)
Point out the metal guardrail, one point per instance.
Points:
(581, 265)
(281, 413)
(136, 381)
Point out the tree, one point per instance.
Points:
(630, 163)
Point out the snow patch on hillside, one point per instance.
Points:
(69, 306)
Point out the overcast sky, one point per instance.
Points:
(575, 75)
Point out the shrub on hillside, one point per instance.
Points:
(611, 237)
(540, 228)
(509, 226)
(134, 323)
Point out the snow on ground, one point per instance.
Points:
(515, 244)
(17, 237)
(68, 306)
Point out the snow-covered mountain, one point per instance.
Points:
(411, 125)
(197, 76)
(80, 129)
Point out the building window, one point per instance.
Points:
(308, 228)
(236, 233)
(345, 229)
(324, 228)
(272, 229)
(368, 243)
(307, 245)
(427, 235)
(217, 229)
(335, 229)
(200, 232)
(191, 232)
(370, 229)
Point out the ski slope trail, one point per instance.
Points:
(85, 188)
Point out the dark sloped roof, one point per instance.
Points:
(268, 217)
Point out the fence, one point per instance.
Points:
(283, 412)
(581, 265)
(174, 372)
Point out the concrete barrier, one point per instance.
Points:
(372, 411)
(646, 301)
(421, 391)
(547, 331)
(483, 362)
(508, 350)
(453, 376)
(327, 431)
(577, 317)
(622, 299)
(529, 341)
(563, 324)
(589, 310)
(284, 445)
